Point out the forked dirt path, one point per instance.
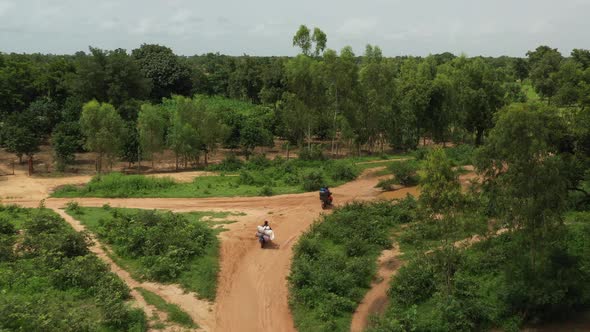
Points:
(252, 287)
(100, 252)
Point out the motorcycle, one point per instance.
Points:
(326, 199)
(264, 236)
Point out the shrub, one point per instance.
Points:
(313, 180)
(315, 153)
(258, 162)
(461, 154)
(386, 184)
(247, 178)
(335, 260)
(164, 243)
(405, 172)
(231, 163)
(266, 191)
(344, 171)
(54, 283)
(73, 207)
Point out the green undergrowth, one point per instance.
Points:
(174, 313)
(492, 284)
(335, 261)
(50, 281)
(159, 245)
(258, 177)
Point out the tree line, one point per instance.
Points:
(366, 101)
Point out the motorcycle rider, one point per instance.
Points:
(266, 226)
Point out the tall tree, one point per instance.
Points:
(524, 173)
(544, 63)
(109, 76)
(302, 39)
(103, 129)
(19, 136)
(65, 141)
(152, 124)
(168, 74)
(305, 40)
(481, 95)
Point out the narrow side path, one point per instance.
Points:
(199, 310)
(376, 300)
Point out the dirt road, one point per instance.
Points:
(252, 289)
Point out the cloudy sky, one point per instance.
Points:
(266, 27)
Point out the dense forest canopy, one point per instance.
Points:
(364, 101)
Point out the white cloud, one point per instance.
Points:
(5, 7)
(356, 27)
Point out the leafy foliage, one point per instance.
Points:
(52, 282)
(335, 260)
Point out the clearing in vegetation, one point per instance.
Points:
(50, 281)
(160, 246)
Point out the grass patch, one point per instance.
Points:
(150, 249)
(175, 314)
(257, 177)
(335, 261)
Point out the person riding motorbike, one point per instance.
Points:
(261, 233)
(325, 197)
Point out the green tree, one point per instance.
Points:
(377, 89)
(103, 130)
(168, 74)
(66, 141)
(17, 84)
(109, 76)
(524, 173)
(544, 63)
(480, 94)
(320, 40)
(46, 115)
(254, 134)
(152, 124)
(20, 138)
(302, 39)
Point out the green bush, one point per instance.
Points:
(314, 153)
(493, 284)
(335, 260)
(164, 243)
(405, 172)
(461, 154)
(386, 184)
(344, 171)
(74, 207)
(258, 162)
(54, 283)
(231, 163)
(313, 180)
(266, 191)
(119, 185)
(247, 178)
